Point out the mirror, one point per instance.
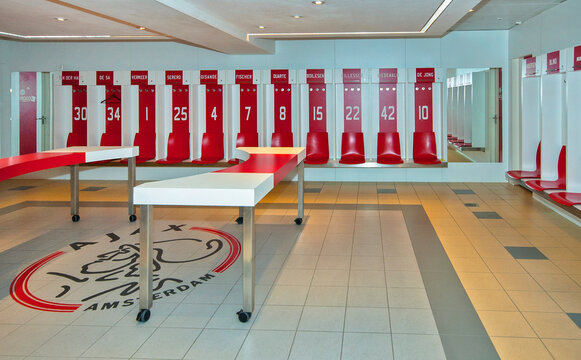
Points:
(474, 118)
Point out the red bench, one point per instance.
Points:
(560, 183)
(521, 174)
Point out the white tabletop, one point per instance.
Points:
(100, 153)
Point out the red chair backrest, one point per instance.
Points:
(318, 146)
(76, 140)
(213, 146)
(247, 139)
(388, 145)
(110, 139)
(425, 146)
(562, 164)
(282, 139)
(178, 146)
(146, 143)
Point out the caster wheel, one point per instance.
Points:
(132, 217)
(76, 218)
(143, 315)
(243, 316)
(298, 221)
(240, 220)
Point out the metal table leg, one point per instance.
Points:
(248, 244)
(240, 218)
(74, 185)
(145, 263)
(130, 185)
(300, 186)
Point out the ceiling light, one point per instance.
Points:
(261, 26)
(141, 28)
(318, 2)
(436, 15)
(518, 22)
(297, 16)
(60, 19)
(471, 10)
(499, 18)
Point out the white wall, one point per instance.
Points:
(468, 49)
(555, 29)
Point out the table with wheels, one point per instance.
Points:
(243, 186)
(72, 157)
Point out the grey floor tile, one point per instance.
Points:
(486, 215)
(525, 252)
(463, 191)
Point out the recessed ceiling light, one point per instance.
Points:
(518, 22)
(499, 18)
(471, 10)
(261, 26)
(318, 2)
(141, 28)
(297, 16)
(60, 19)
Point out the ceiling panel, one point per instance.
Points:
(231, 26)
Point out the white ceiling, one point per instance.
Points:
(231, 26)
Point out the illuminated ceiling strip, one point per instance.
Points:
(64, 37)
(436, 15)
(439, 11)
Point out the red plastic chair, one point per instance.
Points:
(108, 139)
(178, 148)
(352, 148)
(212, 148)
(247, 139)
(282, 139)
(317, 148)
(566, 198)
(424, 149)
(242, 140)
(146, 143)
(521, 174)
(560, 183)
(76, 140)
(388, 148)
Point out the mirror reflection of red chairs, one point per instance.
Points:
(388, 148)
(352, 148)
(560, 183)
(212, 148)
(424, 148)
(317, 148)
(523, 174)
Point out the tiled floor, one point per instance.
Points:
(376, 271)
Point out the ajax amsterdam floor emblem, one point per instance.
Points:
(103, 274)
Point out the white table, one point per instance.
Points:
(73, 156)
(243, 185)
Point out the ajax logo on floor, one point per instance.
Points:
(104, 274)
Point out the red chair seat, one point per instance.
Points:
(317, 148)
(566, 198)
(560, 183)
(388, 148)
(212, 148)
(178, 148)
(282, 140)
(76, 140)
(352, 148)
(522, 174)
(424, 148)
